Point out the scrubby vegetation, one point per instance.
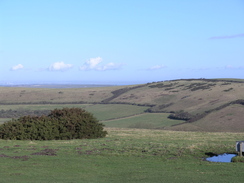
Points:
(60, 124)
(180, 115)
(18, 113)
(237, 159)
(121, 91)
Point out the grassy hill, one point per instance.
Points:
(208, 104)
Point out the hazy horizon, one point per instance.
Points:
(69, 82)
(88, 83)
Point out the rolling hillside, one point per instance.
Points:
(205, 104)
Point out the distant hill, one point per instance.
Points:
(205, 104)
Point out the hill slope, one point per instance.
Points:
(208, 105)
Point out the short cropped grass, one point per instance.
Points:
(125, 155)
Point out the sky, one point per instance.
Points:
(120, 42)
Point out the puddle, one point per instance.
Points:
(223, 158)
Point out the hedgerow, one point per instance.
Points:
(180, 115)
(60, 124)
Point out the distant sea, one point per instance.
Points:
(65, 84)
(57, 85)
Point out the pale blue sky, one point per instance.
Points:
(115, 41)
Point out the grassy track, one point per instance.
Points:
(113, 111)
(146, 121)
(125, 155)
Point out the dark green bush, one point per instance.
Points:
(180, 115)
(60, 124)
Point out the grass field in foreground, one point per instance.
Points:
(125, 155)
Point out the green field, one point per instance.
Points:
(125, 155)
(114, 111)
(112, 115)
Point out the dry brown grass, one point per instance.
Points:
(165, 136)
(229, 119)
(35, 95)
(191, 101)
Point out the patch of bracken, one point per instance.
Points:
(185, 96)
(162, 85)
(44, 146)
(199, 86)
(23, 158)
(46, 152)
(94, 151)
(106, 149)
(226, 83)
(117, 93)
(228, 90)
(31, 149)
(4, 156)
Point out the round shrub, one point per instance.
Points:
(60, 124)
